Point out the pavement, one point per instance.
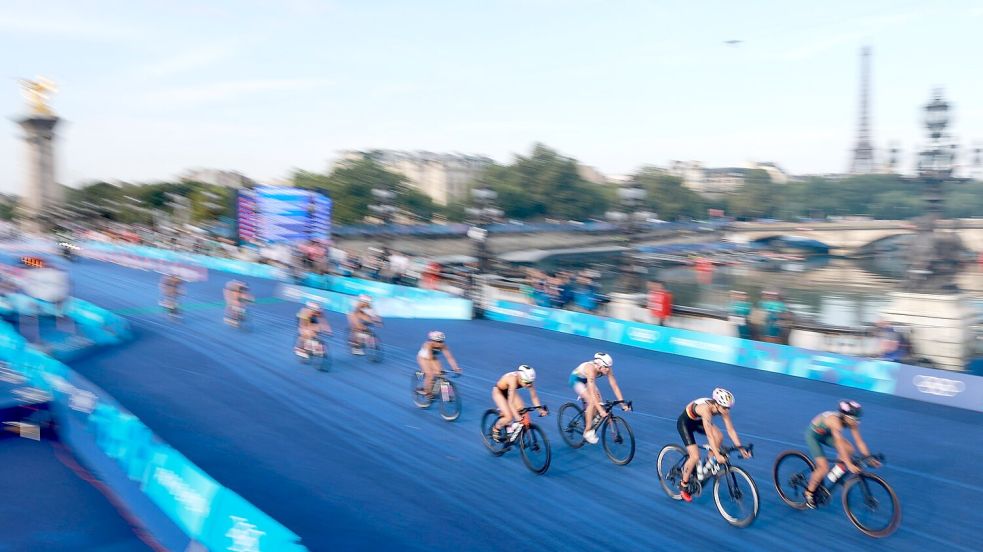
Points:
(347, 461)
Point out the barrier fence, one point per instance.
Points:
(923, 384)
(178, 503)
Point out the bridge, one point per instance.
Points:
(851, 236)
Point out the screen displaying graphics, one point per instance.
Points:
(270, 214)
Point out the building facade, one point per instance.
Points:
(216, 177)
(715, 183)
(444, 177)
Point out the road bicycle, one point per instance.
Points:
(734, 491)
(868, 501)
(443, 388)
(317, 354)
(533, 445)
(615, 434)
(370, 343)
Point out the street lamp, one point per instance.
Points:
(629, 218)
(384, 210)
(934, 257)
(481, 215)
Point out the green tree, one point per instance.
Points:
(544, 184)
(350, 187)
(667, 196)
(759, 197)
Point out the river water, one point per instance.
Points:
(835, 291)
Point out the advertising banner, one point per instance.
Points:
(871, 375)
(440, 308)
(936, 386)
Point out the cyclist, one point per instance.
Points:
(429, 359)
(361, 319)
(505, 393)
(236, 296)
(827, 429)
(697, 417)
(583, 380)
(310, 322)
(170, 291)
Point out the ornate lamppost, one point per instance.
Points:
(629, 219)
(934, 257)
(384, 209)
(481, 215)
(930, 302)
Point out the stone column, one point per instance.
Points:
(940, 325)
(41, 191)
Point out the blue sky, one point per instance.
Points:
(150, 88)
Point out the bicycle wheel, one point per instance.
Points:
(570, 422)
(322, 361)
(871, 505)
(450, 401)
(618, 440)
(670, 467)
(488, 420)
(736, 496)
(535, 449)
(791, 475)
(375, 349)
(419, 399)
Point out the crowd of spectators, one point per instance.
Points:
(576, 291)
(770, 320)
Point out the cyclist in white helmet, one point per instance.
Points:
(236, 295)
(361, 317)
(697, 417)
(310, 321)
(583, 380)
(429, 358)
(505, 393)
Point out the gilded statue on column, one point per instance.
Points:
(37, 92)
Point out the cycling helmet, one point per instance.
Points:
(313, 305)
(436, 336)
(364, 299)
(723, 397)
(604, 359)
(851, 409)
(527, 374)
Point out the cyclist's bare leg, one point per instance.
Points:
(716, 437)
(503, 409)
(693, 458)
(822, 468)
(430, 367)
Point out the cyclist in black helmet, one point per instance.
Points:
(826, 429)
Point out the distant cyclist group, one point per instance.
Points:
(803, 481)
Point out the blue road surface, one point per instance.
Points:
(345, 459)
(47, 506)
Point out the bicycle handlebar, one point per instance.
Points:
(866, 459)
(748, 447)
(608, 404)
(531, 408)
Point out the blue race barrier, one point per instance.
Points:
(946, 388)
(438, 308)
(177, 502)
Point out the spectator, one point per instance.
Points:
(740, 312)
(659, 302)
(398, 265)
(891, 345)
(775, 317)
(586, 294)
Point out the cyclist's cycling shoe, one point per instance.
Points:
(684, 492)
(810, 500)
(591, 436)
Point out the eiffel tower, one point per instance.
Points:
(863, 153)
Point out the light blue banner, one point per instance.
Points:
(437, 308)
(204, 510)
(871, 375)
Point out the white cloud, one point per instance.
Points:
(202, 56)
(868, 28)
(223, 91)
(67, 27)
